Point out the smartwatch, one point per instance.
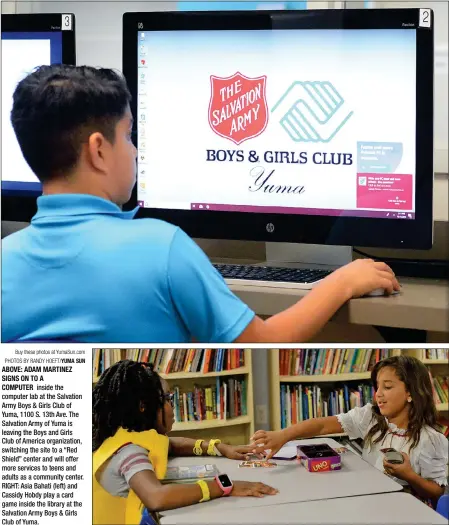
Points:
(224, 483)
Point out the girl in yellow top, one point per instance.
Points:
(132, 415)
(402, 417)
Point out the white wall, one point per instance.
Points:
(8, 8)
(98, 26)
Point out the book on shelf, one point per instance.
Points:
(226, 399)
(437, 354)
(173, 360)
(103, 359)
(301, 402)
(190, 473)
(440, 389)
(441, 396)
(329, 361)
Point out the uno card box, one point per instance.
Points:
(319, 458)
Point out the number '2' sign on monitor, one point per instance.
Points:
(425, 18)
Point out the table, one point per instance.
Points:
(423, 304)
(392, 508)
(294, 482)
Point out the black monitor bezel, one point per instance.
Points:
(346, 231)
(22, 206)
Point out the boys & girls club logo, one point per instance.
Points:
(308, 111)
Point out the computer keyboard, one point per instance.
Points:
(302, 278)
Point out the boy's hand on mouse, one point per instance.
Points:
(362, 276)
(251, 488)
(401, 471)
(271, 441)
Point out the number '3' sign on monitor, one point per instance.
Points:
(66, 22)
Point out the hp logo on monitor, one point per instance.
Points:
(270, 227)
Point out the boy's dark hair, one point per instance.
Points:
(415, 375)
(55, 110)
(128, 395)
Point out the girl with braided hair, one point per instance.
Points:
(132, 415)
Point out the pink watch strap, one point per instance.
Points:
(226, 490)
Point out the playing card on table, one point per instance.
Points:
(265, 464)
(255, 457)
(245, 464)
(257, 464)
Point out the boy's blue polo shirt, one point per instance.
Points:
(84, 270)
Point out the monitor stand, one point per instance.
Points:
(307, 255)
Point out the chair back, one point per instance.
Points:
(443, 506)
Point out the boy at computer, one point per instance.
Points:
(84, 271)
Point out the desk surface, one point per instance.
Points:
(423, 304)
(390, 508)
(294, 482)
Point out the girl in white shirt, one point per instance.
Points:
(402, 417)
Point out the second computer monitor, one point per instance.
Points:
(28, 41)
(312, 127)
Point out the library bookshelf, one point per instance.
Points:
(236, 430)
(438, 367)
(277, 379)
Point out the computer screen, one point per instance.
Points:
(216, 5)
(315, 116)
(28, 41)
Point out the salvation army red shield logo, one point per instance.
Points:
(238, 108)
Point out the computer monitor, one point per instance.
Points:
(217, 5)
(28, 41)
(289, 126)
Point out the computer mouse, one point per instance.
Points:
(378, 292)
